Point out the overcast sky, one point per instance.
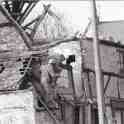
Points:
(78, 12)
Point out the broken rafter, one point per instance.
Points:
(25, 37)
(105, 73)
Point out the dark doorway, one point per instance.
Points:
(95, 116)
(76, 114)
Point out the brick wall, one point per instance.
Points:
(11, 41)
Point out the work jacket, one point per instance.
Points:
(48, 81)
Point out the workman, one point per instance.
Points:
(49, 76)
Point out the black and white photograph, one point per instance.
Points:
(61, 62)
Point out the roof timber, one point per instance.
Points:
(25, 37)
(76, 39)
(108, 43)
(113, 74)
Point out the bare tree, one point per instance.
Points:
(53, 27)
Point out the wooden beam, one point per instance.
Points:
(51, 44)
(113, 74)
(25, 37)
(21, 5)
(39, 21)
(107, 83)
(12, 55)
(83, 110)
(102, 42)
(107, 43)
(31, 6)
(72, 83)
(90, 87)
(5, 24)
(28, 11)
(22, 15)
(117, 104)
(118, 88)
(31, 22)
(89, 106)
(82, 55)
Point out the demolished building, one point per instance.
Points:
(71, 112)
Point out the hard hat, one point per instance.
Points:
(56, 58)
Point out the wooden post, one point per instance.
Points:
(89, 114)
(71, 80)
(99, 79)
(82, 115)
(83, 110)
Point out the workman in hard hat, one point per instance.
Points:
(49, 76)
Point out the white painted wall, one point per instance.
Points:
(17, 108)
